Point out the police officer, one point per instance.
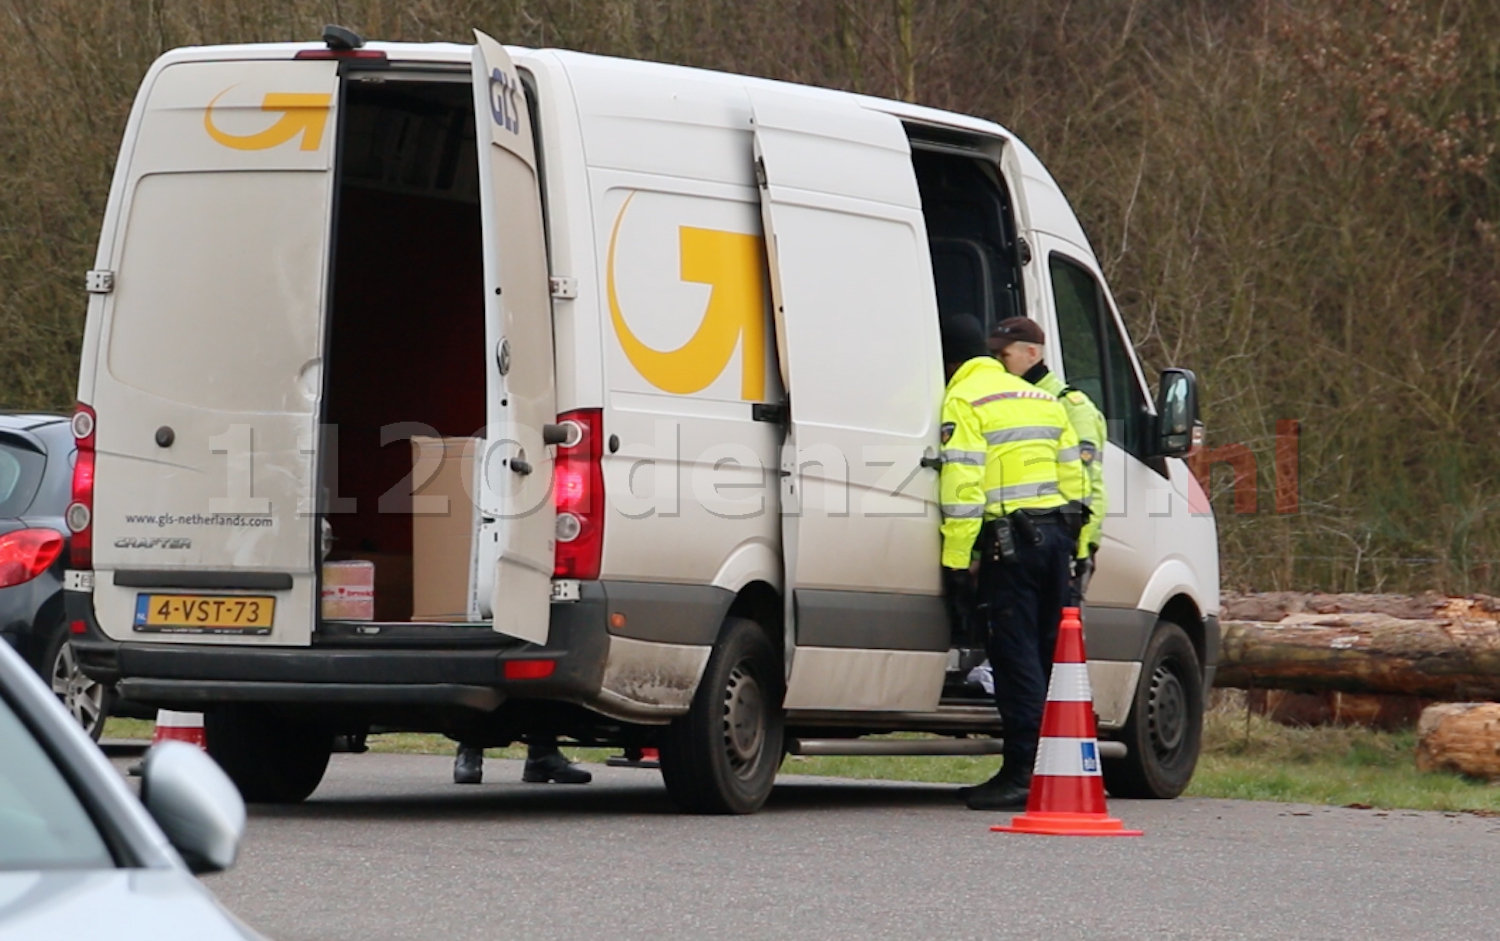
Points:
(544, 762)
(1019, 344)
(1009, 485)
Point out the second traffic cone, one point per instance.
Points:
(179, 727)
(1067, 789)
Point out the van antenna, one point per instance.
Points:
(341, 39)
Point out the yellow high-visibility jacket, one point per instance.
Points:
(1007, 445)
(1088, 423)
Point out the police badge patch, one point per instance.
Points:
(947, 431)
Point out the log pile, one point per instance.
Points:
(1462, 737)
(1425, 646)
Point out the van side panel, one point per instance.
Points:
(683, 311)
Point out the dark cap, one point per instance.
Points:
(1016, 330)
(963, 339)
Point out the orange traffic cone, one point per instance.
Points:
(1067, 791)
(179, 727)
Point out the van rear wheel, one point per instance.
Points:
(1165, 730)
(722, 757)
(271, 759)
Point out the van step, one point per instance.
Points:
(824, 747)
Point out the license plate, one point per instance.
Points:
(204, 614)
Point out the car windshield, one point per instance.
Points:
(20, 472)
(42, 823)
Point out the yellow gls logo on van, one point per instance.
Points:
(301, 113)
(733, 265)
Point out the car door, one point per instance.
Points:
(514, 550)
(857, 341)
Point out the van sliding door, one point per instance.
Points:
(211, 354)
(513, 557)
(857, 336)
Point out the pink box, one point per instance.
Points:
(349, 591)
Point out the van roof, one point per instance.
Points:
(455, 54)
(447, 54)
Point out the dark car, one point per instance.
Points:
(36, 484)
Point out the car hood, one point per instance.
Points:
(122, 905)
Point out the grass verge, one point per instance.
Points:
(1244, 756)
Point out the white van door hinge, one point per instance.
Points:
(99, 281)
(564, 289)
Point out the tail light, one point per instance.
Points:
(80, 513)
(578, 491)
(27, 553)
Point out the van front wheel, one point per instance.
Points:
(1165, 730)
(722, 757)
(271, 759)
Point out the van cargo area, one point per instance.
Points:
(406, 335)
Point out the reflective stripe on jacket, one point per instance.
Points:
(1007, 445)
(1088, 422)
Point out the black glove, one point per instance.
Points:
(958, 596)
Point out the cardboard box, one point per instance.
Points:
(392, 582)
(349, 591)
(443, 520)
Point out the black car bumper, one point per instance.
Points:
(403, 668)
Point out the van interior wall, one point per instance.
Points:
(407, 346)
(971, 233)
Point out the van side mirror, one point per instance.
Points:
(1176, 412)
(195, 804)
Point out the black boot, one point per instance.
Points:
(1001, 793)
(468, 765)
(545, 764)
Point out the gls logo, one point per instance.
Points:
(304, 114)
(505, 94)
(733, 265)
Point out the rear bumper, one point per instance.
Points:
(468, 676)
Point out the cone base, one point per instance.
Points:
(1064, 824)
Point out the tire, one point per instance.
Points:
(722, 757)
(272, 760)
(1165, 730)
(88, 700)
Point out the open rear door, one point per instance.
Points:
(857, 336)
(512, 578)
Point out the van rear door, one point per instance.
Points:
(857, 336)
(208, 385)
(512, 578)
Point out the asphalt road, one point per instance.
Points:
(387, 848)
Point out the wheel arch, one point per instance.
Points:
(1183, 611)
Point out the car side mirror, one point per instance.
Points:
(1176, 412)
(195, 804)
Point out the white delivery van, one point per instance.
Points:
(664, 344)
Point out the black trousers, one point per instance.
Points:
(1025, 601)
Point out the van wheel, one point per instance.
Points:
(722, 757)
(272, 760)
(1165, 730)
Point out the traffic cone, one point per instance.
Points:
(179, 727)
(1067, 790)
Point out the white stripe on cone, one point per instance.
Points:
(1067, 758)
(1069, 683)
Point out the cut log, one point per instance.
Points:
(1453, 655)
(1462, 737)
(1387, 711)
